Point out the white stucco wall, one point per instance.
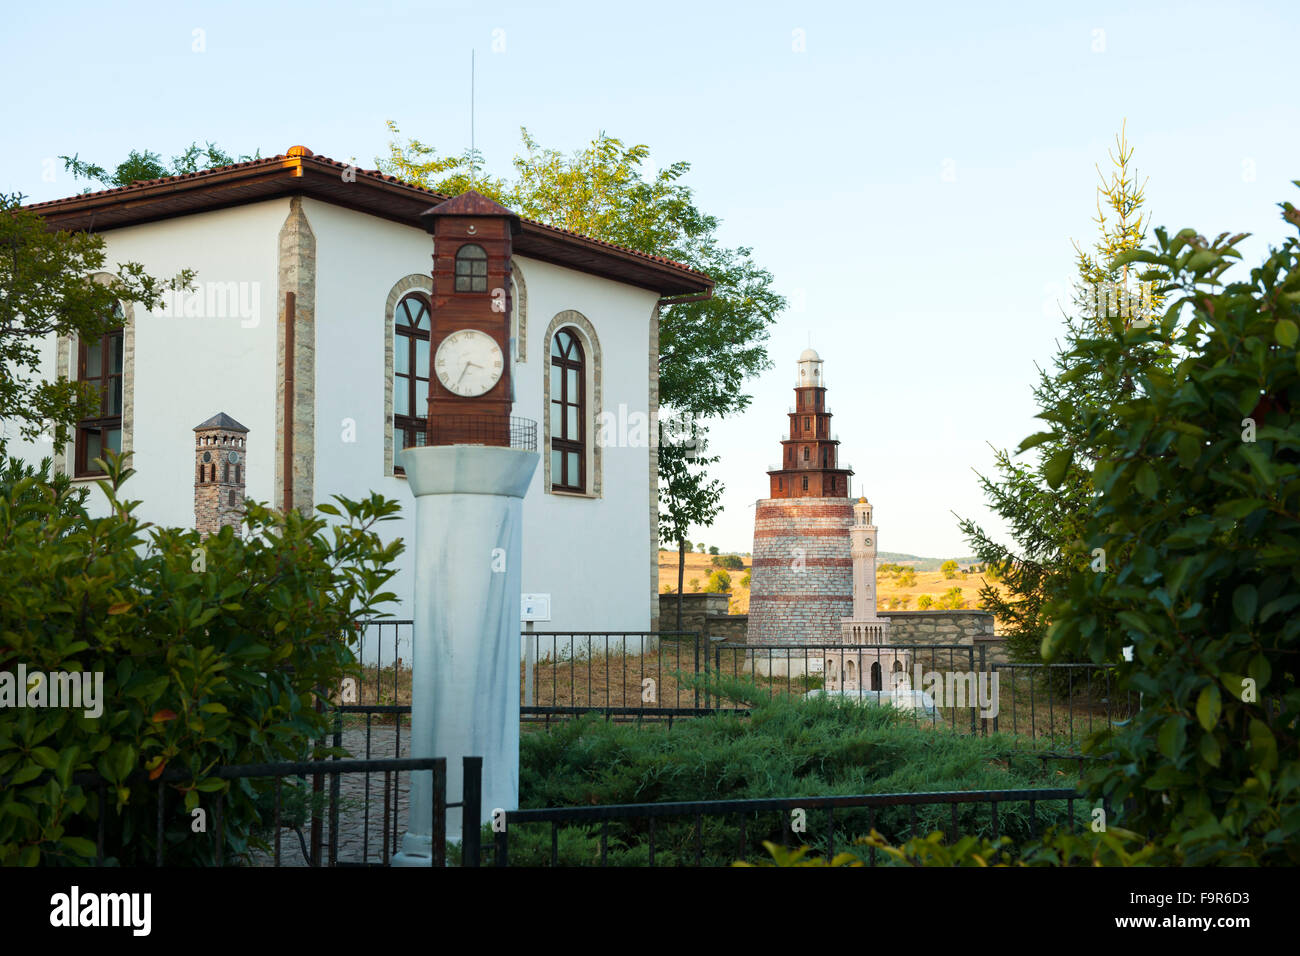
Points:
(589, 553)
(189, 368)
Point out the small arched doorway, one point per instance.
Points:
(875, 676)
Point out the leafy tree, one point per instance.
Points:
(729, 561)
(47, 291)
(744, 579)
(211, 653)
(687, 496)
(1044, 502)
(143, 165)
(906, 577)
(949, 569)
(719, 582)
(700, 547)
(713, 549)
(1197, 477)
(708, 349)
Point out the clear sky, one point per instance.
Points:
(912, 174)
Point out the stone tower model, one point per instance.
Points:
(802, 580)
(219, 473)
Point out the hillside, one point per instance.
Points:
(892, 592)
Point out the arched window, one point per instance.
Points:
(805, 452)
(568, 413)
(805, 483)
(232, 497)
(471, 269)
(99, 363)
(875, 676)
(411, 327)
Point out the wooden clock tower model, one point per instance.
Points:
(470, 387)
(810, 465)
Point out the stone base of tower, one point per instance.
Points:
(801, 584)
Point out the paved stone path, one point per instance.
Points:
(360, 831)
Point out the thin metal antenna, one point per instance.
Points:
(473, 157)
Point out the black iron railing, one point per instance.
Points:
(829, 835)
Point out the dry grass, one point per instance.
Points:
(890, 592)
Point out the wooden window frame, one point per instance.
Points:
(103, 422)
(414, 429)
(562, 442)
(475, 283)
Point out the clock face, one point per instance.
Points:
(232, 456)
(468, 363)
(868, 541)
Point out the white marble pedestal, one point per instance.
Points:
(465, 686)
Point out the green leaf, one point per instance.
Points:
(1035, 440)
(80, 846)
(1057, 464)
(1208, 707)
(1286, 332)
(1172, 737)
(1146, 481)
(1263, 746)
(1210, 750)
(1244, 601)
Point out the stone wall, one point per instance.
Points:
(705, 613)
(946, 627)
(802, 577)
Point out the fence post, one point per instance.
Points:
(975, 704)
(317, 789)
(503, 844)
(439, 831)
(335, 784)
(985, 674)
(697, 670)
(471, 811)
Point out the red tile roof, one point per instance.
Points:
(302, 171)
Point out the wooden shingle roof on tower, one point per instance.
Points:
(300, 172)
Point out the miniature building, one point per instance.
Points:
(219, 474)
(802, 579)
(869, 661)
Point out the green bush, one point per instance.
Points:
(787, 748)
(1192, 554)
(729, 561)
(211, 653)
(719, 582)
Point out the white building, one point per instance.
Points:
(336, 260)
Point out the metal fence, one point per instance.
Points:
(718, 831)
(293, 807)
(646, 676)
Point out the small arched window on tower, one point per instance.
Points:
(410, 372)
(232, 497)
(471, 269)
(805, 483)
(805, 452)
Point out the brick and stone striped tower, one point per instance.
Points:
(801, 586)
(219, 474)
